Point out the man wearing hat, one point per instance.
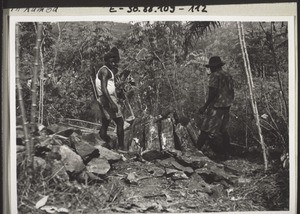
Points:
(216, 108)
(106, 92)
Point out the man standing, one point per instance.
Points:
(216, 108)
(106, 91)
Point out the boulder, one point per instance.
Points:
(167, 134)
(136, 131)
(108, 154)
(72, 161)
(193, 132)
(184, 139)
(167, 163)
(152, 141)
(99, 166)
(151, 155)
(60, 129)
(194, 159)
(187, 170)
(83, 148)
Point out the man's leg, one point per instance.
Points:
(120, 132)
(103, 130)
(224, 132)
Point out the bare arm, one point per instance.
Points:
(104, 75)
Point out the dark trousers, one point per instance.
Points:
(214, 130)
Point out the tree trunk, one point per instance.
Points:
(28, 143)
(251, 88)
(35, 76)
(41, 99)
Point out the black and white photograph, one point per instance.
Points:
(152, 115)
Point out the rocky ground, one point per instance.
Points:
(75, 172)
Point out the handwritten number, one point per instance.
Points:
(204, 9)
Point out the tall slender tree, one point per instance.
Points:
(28, 143)
(251, 90)
(35, 75)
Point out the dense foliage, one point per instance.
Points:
(166, 62)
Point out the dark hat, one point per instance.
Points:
(215, 61)
(113, 53)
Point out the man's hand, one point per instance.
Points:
(202, 110)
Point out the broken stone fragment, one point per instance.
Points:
(167, 163)
(179, 176)
(150, 155)
(156, 171)
(108, 154)
(195, 160)
(187, 170)
(170, 171)
(98, 166)
(60, 129)
(131, 178)
(212, 172)
(83, 148)
(72, 161)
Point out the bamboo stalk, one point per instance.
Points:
(28, 143)
(41, 99)
(251, 88)
(35, 75)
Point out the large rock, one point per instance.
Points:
(167, 134)
(184, 138)
(151, 136)
(167, 163)
(108, 154)
(99, 166)
(60, 129)
(195, 159)
(193, 132)
(72, 161)
(83, 148)
(187, 170)
(150, 155)
(136, 131)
